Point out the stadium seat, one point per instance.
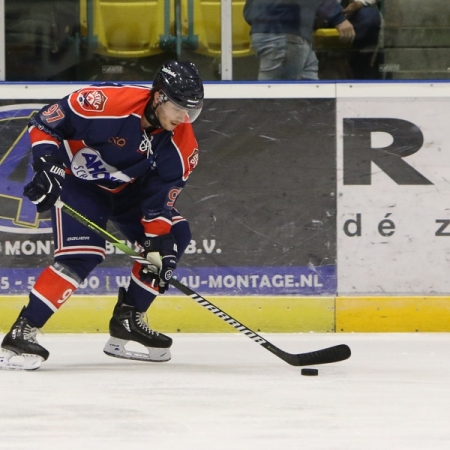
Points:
(121, 28)
(141, 28)
(207, 25)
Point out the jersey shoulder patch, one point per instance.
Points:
(192, 160)
(89, 100)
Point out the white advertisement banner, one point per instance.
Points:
(393, 224)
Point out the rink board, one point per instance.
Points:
(88, 314)
(393, 314)
(381, 228)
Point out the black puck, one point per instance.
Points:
(310, 372)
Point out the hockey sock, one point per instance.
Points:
(140, 293)
(36, 312)
(51, 290)
(182, 234)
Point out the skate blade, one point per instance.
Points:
(12, 361)
(116, 348)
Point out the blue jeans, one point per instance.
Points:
(285, 57)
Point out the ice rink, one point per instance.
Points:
(223, 391)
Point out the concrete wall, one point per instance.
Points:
(417, 39)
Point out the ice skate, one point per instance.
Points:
(127, 324)
(20, 349)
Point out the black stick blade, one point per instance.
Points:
(323, 356)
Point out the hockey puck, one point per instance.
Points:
(310, 372)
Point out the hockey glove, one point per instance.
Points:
(44, 188)
(166, 247)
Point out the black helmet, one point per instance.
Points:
(181, 82)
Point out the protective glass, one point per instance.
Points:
(176, 112)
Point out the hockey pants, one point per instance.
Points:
(78, 250)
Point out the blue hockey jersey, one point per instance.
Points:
(97, 132)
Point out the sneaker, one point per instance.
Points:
(21, 341)
(128, 324)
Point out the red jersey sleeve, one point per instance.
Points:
(108, 101)
(187, 147)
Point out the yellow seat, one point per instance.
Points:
(207, 26)
(121, 28)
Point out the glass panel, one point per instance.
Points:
(40, 40)
(127, 40)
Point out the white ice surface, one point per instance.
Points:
(223, 391)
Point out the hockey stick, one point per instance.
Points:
(323, 356)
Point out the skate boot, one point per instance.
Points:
(20, 349)
(128, 324)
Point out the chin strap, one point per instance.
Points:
(150, 114)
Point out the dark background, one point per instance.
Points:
(266, 173)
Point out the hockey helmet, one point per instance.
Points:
(179, 82)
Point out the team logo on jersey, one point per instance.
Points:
(121, 142)
(193, 160)
(92, 100)
(87, 164)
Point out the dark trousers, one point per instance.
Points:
(367, 23)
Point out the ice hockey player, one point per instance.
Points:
(112, 152)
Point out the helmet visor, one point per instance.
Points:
(180, 113)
